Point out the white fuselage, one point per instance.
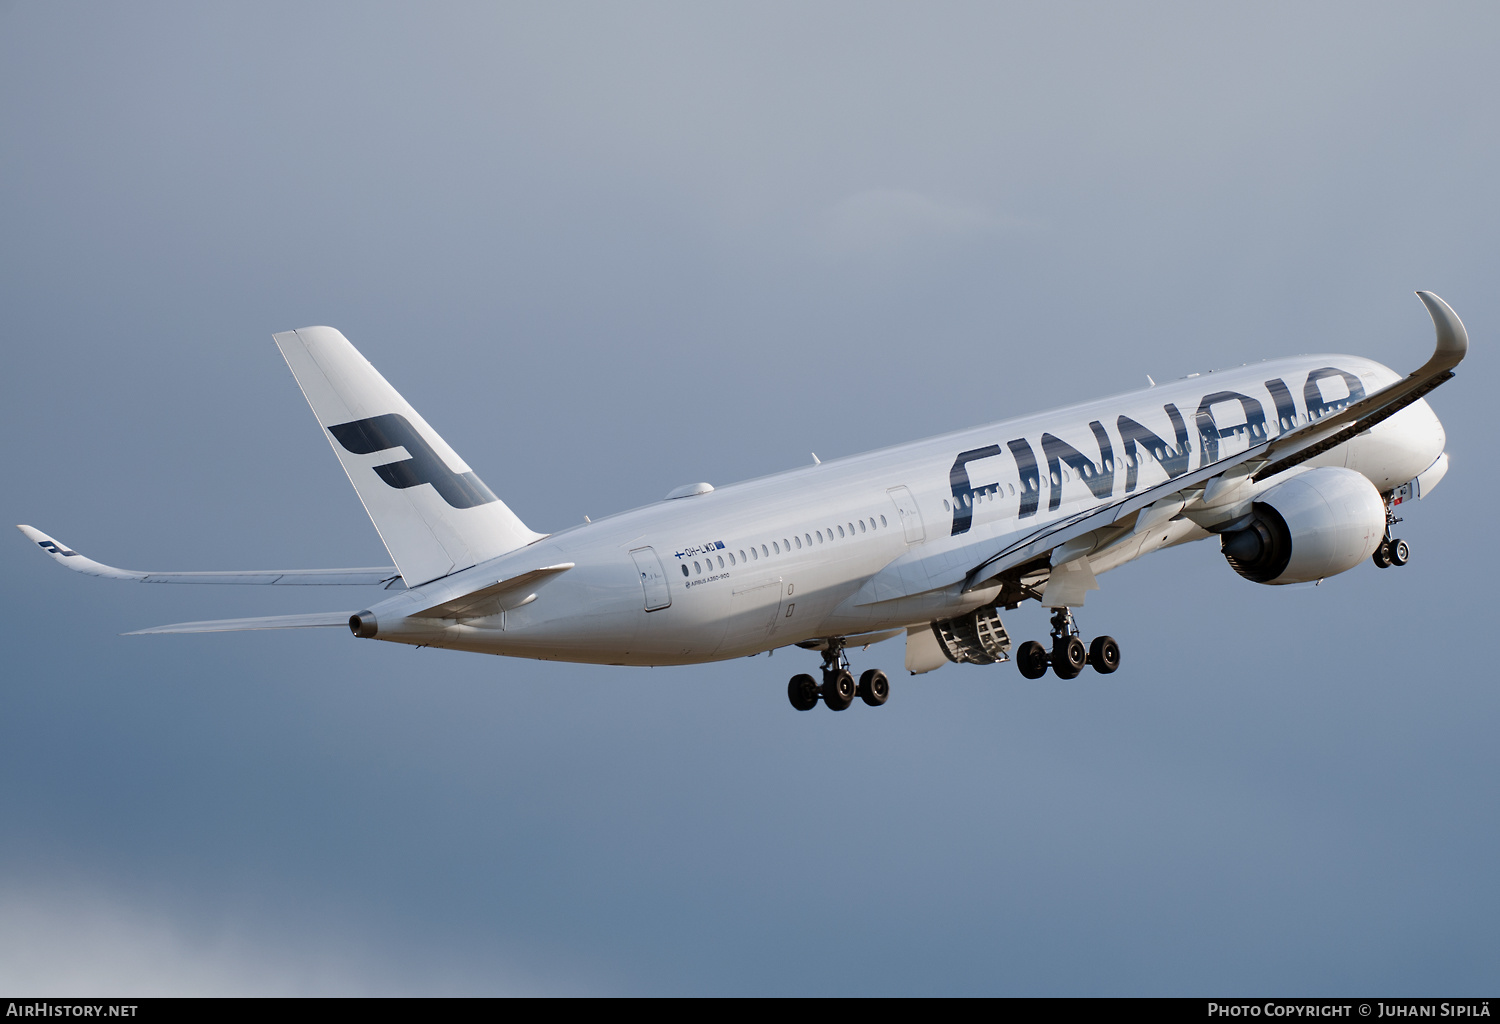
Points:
(797, 556)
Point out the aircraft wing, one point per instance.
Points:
(982, 559)
(385, 575)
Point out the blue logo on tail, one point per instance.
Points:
(380, 433)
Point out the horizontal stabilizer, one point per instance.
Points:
(380, 575)
(263, 622)
(491, 599)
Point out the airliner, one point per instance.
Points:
(1298, 466)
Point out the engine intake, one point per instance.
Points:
(1317, 524)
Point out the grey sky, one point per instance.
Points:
(609, 249)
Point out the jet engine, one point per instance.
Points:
(1319, 523)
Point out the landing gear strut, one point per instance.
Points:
(838, 688)
(1068, 655)
(1391, 552)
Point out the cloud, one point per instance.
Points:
(55, 942)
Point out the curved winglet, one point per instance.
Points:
(1311, 439)
(1452, 339)
(66, 556)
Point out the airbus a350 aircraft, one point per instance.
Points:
(1296, 465)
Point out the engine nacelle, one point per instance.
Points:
(1320, 523)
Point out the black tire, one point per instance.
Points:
(802, 691)
(1104, 654)
(1031, 659)
(1400, 553)
(874, 688)
(1068, 657)
(1382, 555)
(838, 690)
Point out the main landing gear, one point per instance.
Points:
(1068, 656)
(839, 688)
(1391, 552)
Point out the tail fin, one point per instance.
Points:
(433, 513)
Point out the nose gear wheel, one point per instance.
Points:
(1392, 551)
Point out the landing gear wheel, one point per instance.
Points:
(1068, 657)
(874, 688)
(1031, 659)
(1400, 553)
(838, 689)
(1104, 654)
(802, 691)
(1382, 555)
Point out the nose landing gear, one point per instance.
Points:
(1391, 552)
(838, 688)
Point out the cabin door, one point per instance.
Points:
(907, 512)
(653, 579)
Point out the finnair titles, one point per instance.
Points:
(1296, 466)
